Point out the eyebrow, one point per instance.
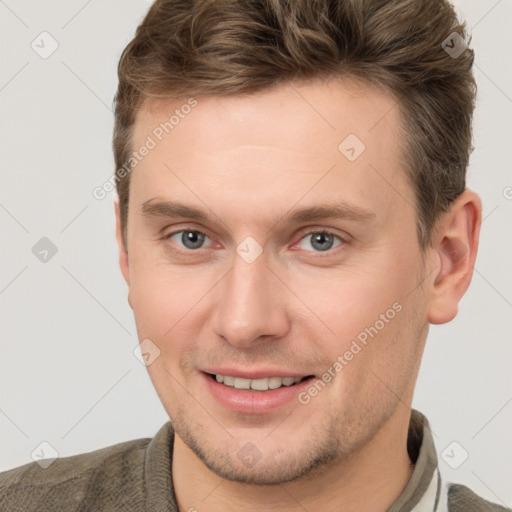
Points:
(336, 210)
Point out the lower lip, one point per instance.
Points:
(254, 402)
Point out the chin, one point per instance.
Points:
(263, 462)
(268, 472)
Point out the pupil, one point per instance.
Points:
(321, 238)
(192, 239)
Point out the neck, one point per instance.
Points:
(369, 480)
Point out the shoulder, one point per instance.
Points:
(101, 474)
(463, 499)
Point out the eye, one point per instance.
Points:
(321, 241)
(190, 239)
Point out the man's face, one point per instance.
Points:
(250, 292)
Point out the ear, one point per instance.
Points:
(455, 246)
(123, 253)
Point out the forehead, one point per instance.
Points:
(332, 106)
(274, 147)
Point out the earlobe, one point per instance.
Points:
(123, 253)
(455, 245)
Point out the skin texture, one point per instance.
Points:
(249, 161)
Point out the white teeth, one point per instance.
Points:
(274, 382)
(257, 384)
(242, 383)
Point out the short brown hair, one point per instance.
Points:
(226, 47)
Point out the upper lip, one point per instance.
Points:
(254, 374)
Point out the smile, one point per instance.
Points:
(257, 384)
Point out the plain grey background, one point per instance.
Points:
(68, 374)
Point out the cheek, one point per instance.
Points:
(368, 304)
(171, 305)
(344, 302)
(160, 295)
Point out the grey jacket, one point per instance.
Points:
(136, 476)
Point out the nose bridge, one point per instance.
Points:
(248, 306)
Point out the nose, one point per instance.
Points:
(250, 304)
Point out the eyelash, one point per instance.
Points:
(329, 252)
